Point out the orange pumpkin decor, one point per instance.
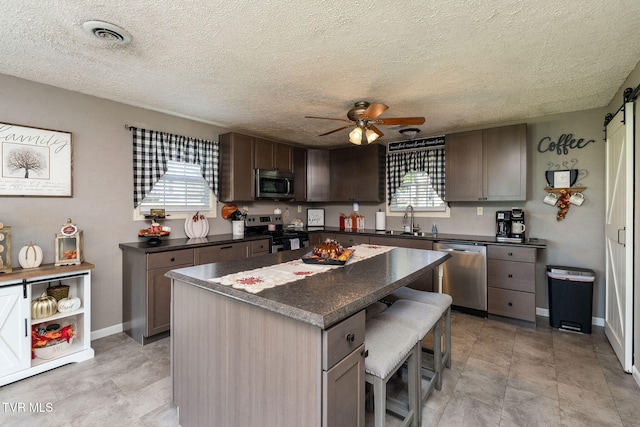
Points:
(227, 210)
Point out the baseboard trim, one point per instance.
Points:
(544, 312)
(105, 332)
(636, 374)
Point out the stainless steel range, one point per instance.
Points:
(282, 238)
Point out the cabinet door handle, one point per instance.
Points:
(510, 276)
(510, 304)
(510, 254)
(26, 327)
(365, 353)
(350, 337)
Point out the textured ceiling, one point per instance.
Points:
(260, 66)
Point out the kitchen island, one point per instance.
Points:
(291, 355)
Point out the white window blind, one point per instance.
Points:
(417, 190)
(181, 189)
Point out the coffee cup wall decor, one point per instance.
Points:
(577, 199)
(551, 199)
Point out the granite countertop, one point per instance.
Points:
(186, 243)
(322, 299)
(529, 242)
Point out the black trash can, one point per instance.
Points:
(570, 297)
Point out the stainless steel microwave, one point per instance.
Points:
(273, 184)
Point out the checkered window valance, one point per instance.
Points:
(430, 161)
(152, 149)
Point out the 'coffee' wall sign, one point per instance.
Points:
(565, 143)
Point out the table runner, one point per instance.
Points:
(256, 280)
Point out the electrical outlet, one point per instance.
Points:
(479, 210)
(299, 208)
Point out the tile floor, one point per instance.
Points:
(503, 373)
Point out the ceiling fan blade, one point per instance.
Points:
(376, 130)
(335, 130)
(374, 110)
(400, 121)
(327, 118)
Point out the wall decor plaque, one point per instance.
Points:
(35, 162)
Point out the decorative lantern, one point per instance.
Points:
(5, 249)
(69, 248)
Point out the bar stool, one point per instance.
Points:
(424, 319)
(443, 303)
(390, 343)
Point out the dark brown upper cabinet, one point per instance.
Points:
(487, 165)
(358, 174)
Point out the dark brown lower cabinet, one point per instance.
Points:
(146, 296)
(511, 281)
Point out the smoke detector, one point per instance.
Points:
(108, 33)
(409, 132)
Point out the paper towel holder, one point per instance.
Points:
(380, 220)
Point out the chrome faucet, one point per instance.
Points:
(409, 208)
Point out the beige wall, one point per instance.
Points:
(102, 201)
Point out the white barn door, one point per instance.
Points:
(619, 235)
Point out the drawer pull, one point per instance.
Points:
(226, 247)
(172, 259)
(350, 337)
(510, 304)
(510, 276)
(510, 254)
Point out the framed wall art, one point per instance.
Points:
(315, 217)
(35, 162)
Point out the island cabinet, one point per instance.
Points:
(487, 165)
(282, 372)
(425, 282)
(18, 289)
(343, 383)
(511, 281)
(147, 291)
(358, 173)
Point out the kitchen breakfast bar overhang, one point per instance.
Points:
(265, 359)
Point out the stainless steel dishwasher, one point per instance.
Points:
(465, 275)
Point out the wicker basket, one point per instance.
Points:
(58, 292)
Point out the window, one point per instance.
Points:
(418, 191)
(182, 189)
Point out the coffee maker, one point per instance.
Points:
(510, 226)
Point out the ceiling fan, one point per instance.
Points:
(365, 117)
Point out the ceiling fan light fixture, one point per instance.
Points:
(371, 136)
(355, 136)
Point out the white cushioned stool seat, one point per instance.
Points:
(391, 343)
(414, 315)
(443, 303)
